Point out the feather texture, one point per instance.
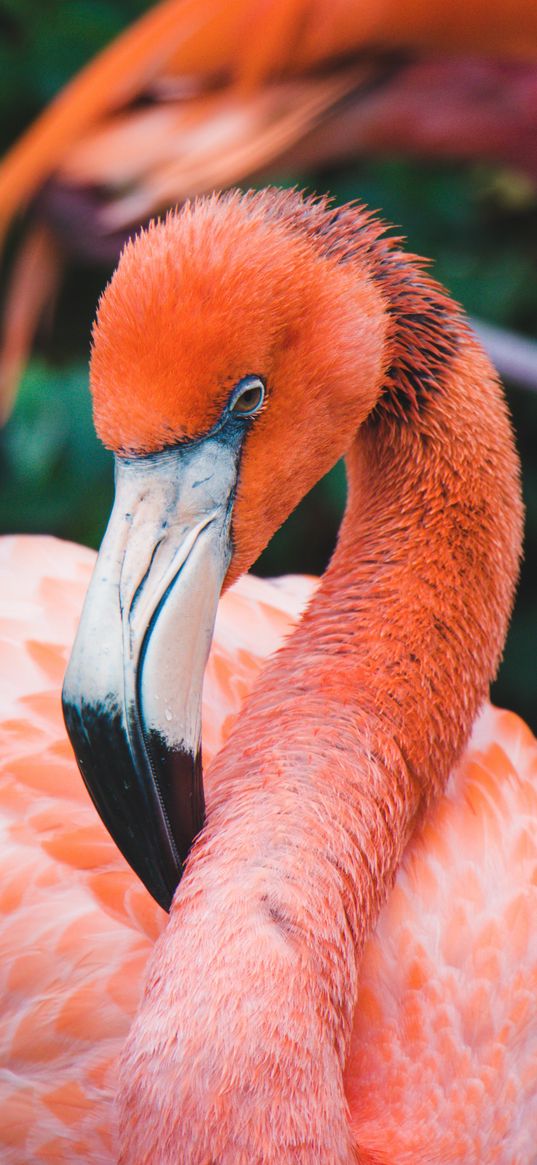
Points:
(445, 1023)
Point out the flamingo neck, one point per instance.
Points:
(372, 700)
(349, 733)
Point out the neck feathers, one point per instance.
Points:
(427, 327)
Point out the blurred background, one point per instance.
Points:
(434, 125)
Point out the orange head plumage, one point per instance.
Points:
(232, 286)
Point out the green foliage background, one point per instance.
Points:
(478, 224)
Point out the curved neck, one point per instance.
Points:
(359, 719)
(349, 732)
(421, 584)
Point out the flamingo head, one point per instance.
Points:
(237, 349)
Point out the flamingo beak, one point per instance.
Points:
(132, 691)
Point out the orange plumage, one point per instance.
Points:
(299, 1006)
(183, 44)
(444, 1033)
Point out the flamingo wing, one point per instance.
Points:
(445, 1024)
(76, 925)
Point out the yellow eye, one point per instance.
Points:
(250, 394)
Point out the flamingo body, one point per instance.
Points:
(443, 1059)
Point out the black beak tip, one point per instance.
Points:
(153, 824)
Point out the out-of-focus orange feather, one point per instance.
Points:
(124, 68)
(227, 137)
(248, 42)
(232, 88)
(32, 286)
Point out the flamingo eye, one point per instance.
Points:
(249, 396)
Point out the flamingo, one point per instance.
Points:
(348, 970)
